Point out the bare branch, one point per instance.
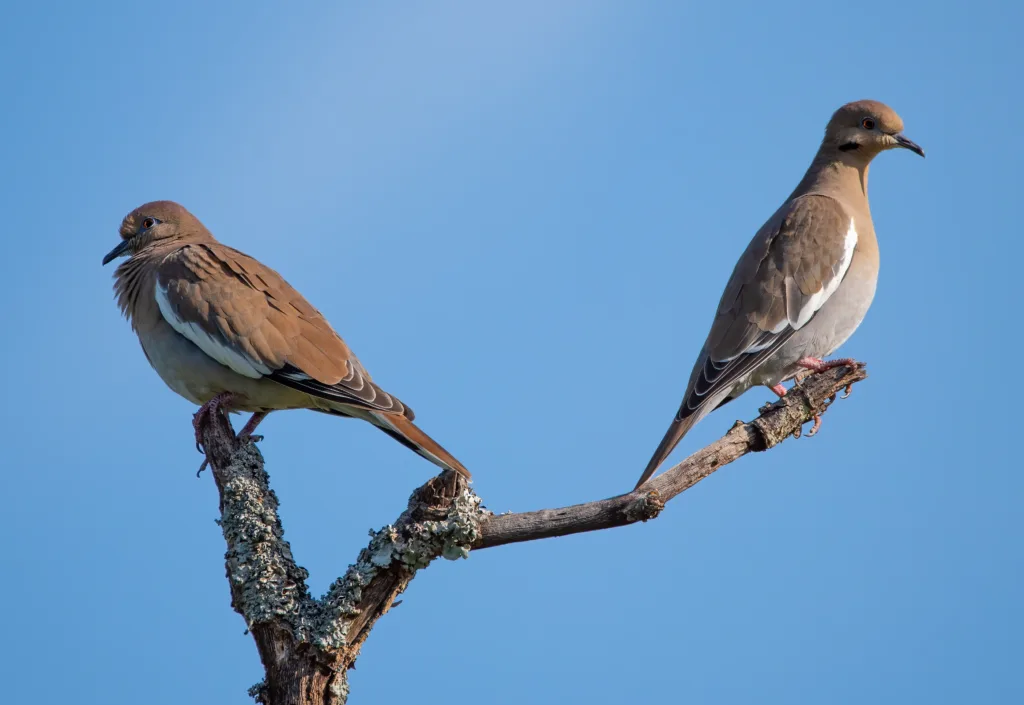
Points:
(307, 645)
(777, 422)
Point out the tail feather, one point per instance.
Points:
(409, 434)
(685, 419)
(675, 433)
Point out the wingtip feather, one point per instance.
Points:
(671, 439)
(420, 442)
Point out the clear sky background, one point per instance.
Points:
(521, 216)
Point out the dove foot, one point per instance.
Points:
(246, 431)
(817, 365)
(205, 412)
(251, 425)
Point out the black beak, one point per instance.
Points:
(118, 251)
(907, 144)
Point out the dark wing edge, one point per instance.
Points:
(353, 390)
(698, 403)
(711, 377)
(715, 376)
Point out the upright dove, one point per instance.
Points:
(227, 332)
(804, 283)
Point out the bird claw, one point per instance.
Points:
(197, 426)
(199, 419)
(847, 391)
(252, 437)
(818, 365)
(815, 427)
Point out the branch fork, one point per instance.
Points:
(307, 645)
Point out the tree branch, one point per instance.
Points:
(777, 422)
(308, 644)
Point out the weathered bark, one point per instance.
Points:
(308, 644)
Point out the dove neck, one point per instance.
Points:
(835, 173)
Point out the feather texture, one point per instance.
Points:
(212, 320)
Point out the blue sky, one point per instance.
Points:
(520, 216)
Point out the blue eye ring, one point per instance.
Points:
(149, 222)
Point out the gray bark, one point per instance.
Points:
(307, 645)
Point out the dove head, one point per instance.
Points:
(163, 221)
(863, 129)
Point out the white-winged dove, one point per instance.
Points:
(805, 281)
(227, 332)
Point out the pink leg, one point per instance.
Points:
(817, 365)
(246, 432)
(252, 423)
(779, 389)
(813, 363)
(204, 413)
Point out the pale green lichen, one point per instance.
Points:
(266, 583)
(414, 547)
(338, 688)
(258, 692)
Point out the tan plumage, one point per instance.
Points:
(212, 320)
(806, 279)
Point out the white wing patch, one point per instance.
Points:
(220, 352)
(816, 301)
(753, 349)
(782, 325)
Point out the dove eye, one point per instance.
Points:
(867, 124)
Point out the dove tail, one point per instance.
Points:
(409, 434)
(675, 433)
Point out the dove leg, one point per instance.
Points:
(817, 365)
(246, 432)
(252, 423)
(205, 412)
